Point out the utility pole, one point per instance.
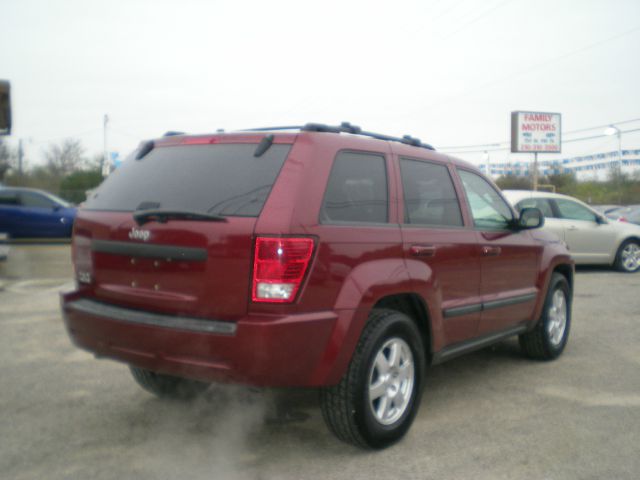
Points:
(488, 160)
(535, 171)
(106, 164)
(20, 157)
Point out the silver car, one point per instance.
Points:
(590, 236)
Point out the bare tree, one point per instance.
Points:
(7, 157)
(64, 158)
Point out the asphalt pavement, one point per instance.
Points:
(488, 415)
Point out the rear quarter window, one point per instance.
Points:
(357, 189)
(222, 179)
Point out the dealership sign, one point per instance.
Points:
(535, 132)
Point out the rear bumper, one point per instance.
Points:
(258, 350)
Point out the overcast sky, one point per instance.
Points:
(447, 71)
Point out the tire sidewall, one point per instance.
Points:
(557, 282)
(376, 434)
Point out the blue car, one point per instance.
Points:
(31, 213)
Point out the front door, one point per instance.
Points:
(509, 258)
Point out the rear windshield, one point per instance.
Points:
(216, 179)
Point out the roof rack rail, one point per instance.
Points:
(345, 127)
(172, 133)
(270, 129)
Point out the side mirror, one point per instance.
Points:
(530, 218)
(600, 220)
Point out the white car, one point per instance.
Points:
(590, 236)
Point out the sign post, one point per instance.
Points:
(535, 132)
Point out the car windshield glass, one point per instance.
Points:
(223, 180)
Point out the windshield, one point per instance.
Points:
(216, 179)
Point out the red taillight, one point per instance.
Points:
(279, 266)
(82, 260)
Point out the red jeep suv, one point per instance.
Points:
(313, 256)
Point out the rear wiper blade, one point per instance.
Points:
(163, 216)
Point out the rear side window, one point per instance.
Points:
(574, 211)
(429, 195)
(217, 179)
(357, 189)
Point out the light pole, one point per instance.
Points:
(487, 159)
(613, 130)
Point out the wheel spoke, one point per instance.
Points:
(406, 370)
(383, 408)
(394, 354)
(382, 364)
(377, 390)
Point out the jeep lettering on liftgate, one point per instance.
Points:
(316, 256)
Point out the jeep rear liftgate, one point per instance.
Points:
(172, 230)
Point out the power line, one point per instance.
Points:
(533, 67)
(564, 141)
(568, 132)
(478, 18)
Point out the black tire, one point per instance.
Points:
(346, 407)
(545, 341)
(167, 386)
(623, 263)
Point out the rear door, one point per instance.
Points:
(438, 247)
(180, 266)
(510, 259)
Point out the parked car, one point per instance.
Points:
(4, 248)
(591, 237)
(31, 213)
(605, 209)
(629, 214)
(324, 257)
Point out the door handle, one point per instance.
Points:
(572, 227)
(488, 251)
(423, 250)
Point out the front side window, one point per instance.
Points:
(574, 211)
(429, 195)
(357, 189)
(9, 197)
(488, 209)
(541, 204)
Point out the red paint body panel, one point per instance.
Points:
(309, 342)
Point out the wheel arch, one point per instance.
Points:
(414, 306)
(566, 271)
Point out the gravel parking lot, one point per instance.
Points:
(490, 415)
